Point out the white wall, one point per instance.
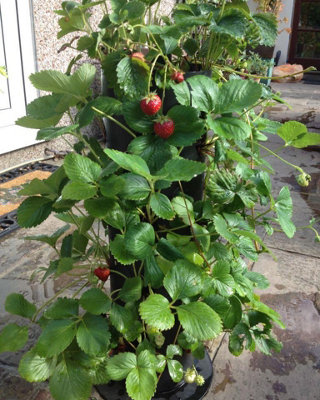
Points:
(283, 40)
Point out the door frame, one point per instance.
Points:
(14, 137)
(306, 62)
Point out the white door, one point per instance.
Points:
(17, 55)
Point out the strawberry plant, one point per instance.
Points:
(178, 262)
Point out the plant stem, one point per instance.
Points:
(114, 120)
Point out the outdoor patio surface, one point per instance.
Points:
(292, 374)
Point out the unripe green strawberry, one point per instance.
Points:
(303, 179)
(199, 380)
(190, 375)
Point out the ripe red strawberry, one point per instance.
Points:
(151, 104)
(102, 273)
(164, 127)
(177, 76)
(138, 55)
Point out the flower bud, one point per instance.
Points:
(303, 179)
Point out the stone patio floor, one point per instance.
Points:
(292, 374)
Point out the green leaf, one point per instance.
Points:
(16, 304)
(93, 334)
(132, 10)
(95, 301)
(268, 27)
(202, 235)
(136, 187)
(222, 228)
(77, 84)
(81, 169)
(133, 76)
(188, 126)
(155, 311)
(222, 280)
(237, 337)
(78, 191)
(175, 370)
(184, 208)
(56, 337)
(62, 308)
(120, 365)
(180, 169)
(126, 322)
(69, 381)
(139, 240)
(258, 279)
(168, 250)
(247, 248)
(233, 315)
(204, 93)
(161, 206)
(119, 252)
(236, 95)
(173, 350)
(106, 105)
(152, 272)
(13, 337)
(263, 308)
(230, 128)
(111, 186)
(131, 289)
(182, 93)
(52, 133)
(99, 207)
(199, 320)
(136, 119)
(183, 280)
(296, 134)
(131, 162)
(34, 368)
(141, 381)
(33, 210)
(232, 23)
(283, 208)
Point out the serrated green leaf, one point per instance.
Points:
(233, 315)
(155, 311)
(202, 235)
(161, 206)
(93, 334)
(99, 207)
(296, 134)
(81, 169)
(182, 93)
(188, 126)
(130, 162)
(180, 169)
(204, 92)
(16, 304)
(168, 250)
(120, 365)
(126, 322)
(95, 301)
(78, 191)
(139, 240)
(33, 210)
(184, 209)
(183, 280)
(152, 272)
(131, 289)
(56, 337)
(236, 95)
(268, 27)
(62, 308)
(13, 337)
(230, 128)
(199, 320)
(260, 280)
(222, 228)
(136, 187)
(175, 369)
(77, 84)
(232, 23)
(111, 186)
(173, 350)
(132, 76)
(136, 119)
(34, 368)
(119, 252)
(104, 104)
(283, 208)
(52, 133)
(69, 381)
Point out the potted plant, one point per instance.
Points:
(179, 264)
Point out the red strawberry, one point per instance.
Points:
(163, 127)
(177, 76)
(138, 55)
(102, 273)
(151, 104)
